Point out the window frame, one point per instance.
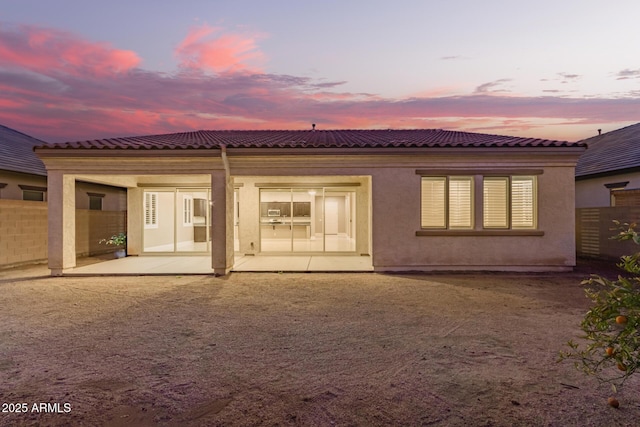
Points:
(94, 197)
(478, 201)
(447, 202)
(510, 202)
(34, 190)
(534, 202)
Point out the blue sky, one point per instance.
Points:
(72, 70)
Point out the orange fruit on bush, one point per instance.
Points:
(621, 320)
(610, 351)
(612, 401)
(622, 367)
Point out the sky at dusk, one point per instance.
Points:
(76, 69)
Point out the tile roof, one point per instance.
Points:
(610, 152)
(16, 152)
(211, 139)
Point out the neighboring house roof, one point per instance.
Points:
(418, 138)
(16, 152)
(610, 153)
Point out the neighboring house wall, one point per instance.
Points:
(595, 227)
(592, 192)
(115, 199)
(14, 180)
(23, 227)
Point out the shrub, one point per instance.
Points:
(116, 240)
(611, 350)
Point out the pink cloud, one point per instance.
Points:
(49, 52)
(205, 48)
(46, 90)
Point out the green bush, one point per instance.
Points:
(116, 240)
(610, 349)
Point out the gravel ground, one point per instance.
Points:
(299, 349)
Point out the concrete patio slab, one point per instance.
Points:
(167, 265)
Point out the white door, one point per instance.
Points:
(330, 215)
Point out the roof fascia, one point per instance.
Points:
(401, 151)
(46, 152)
(608, 173)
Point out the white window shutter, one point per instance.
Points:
(523, 202)
(460, 202)
(495, 205)
(150, 209)
(433, 209)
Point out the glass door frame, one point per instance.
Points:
(178, 213)
(317, 215)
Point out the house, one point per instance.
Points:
(23, 204)
(22, 174)
(412, 200)
(607, 190)
(608, 173)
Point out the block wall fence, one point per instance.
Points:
(24, 231)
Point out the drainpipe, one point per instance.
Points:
(225, 161)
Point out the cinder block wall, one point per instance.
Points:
(23, 232)
(93, 226)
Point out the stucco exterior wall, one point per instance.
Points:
(396, 218)
(388, 201)
(592, 193)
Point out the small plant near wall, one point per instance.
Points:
(611, 348)
(119, 240)
(115, 240)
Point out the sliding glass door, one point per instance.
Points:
(307, 220)
(176, 220)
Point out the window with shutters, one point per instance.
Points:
(447, 202)
(509, 202)
(150, 210)
(500, 205)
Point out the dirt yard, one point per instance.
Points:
(298, 349)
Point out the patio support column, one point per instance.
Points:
(134, 221)
(221, 222)
(62, 222)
